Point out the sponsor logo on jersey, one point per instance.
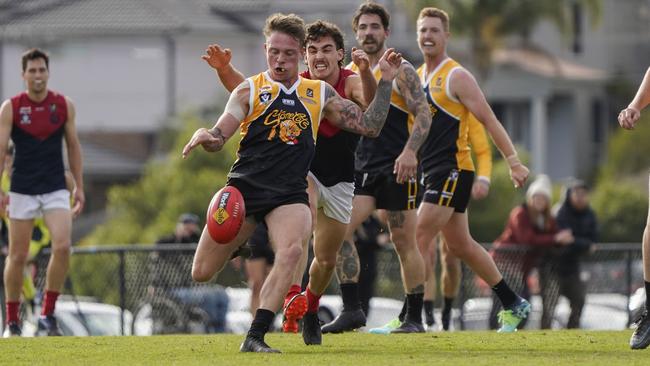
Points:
(289, 102)
(310, 92)
(25, 110)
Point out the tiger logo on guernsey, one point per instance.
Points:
(290, 125)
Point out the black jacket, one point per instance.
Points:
(584, 225)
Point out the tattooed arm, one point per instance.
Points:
(344, 114)
(213, 139)
(408, 83)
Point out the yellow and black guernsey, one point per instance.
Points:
(447, 145)
(377, 155)
(278, 137)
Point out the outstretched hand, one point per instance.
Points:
(204, 138)
(360, 58)
(389, 64)
(217, 57)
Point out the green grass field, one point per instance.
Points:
(454, 349)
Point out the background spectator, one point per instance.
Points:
(530, 229)
(576, 215)
(172, 275)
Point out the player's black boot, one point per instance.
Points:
(311, 332)
(409, 326)
(445, 319)
(253, 344)
(346, 321)
(48, 326)
(12, 330)
(641, 336)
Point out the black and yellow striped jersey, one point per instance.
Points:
(278, 134)
(379, 154)
(447, 144)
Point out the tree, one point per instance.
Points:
(147, 209)
(488, 22)
(628, 152)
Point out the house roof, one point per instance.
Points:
(546, 65)
(99, 160)
(44, 19)
(59, 18)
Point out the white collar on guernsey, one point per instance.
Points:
(282, 87)
(426, 79)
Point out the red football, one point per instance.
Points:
(225, 215)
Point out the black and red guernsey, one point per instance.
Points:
(37, 133)
(333, 161)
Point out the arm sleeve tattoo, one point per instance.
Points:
(409, 84)
(350, 116)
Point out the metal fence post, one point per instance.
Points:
(463, 296)
(628, 283)
(122, 289)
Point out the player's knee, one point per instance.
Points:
(327, 262)
(61, 250)
(200, 273)
(18, 259)
(289, 256)
(458, 250)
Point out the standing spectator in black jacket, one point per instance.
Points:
(577, 215)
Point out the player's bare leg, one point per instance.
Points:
(295, 302)
(348, 269)
(463, 246)
(402, 226)
(430, 256)
(328, 238)
(20, 233)
(641, 336)
(59, 222)
(211, 257)
(449, 280)
(256, 271)
(287, 242)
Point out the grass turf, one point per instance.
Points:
(457, 348)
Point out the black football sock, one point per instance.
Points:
(504, 293)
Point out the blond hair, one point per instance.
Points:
(290, 24)
(436, 13)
